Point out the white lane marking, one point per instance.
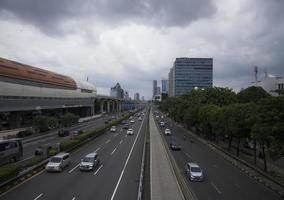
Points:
(73, 198)
(215, 187)
(120, 141)
(187, 155)
(107, 141)
(27, 158)
(122, 172)
(97, 149)
(113, 151)
(74, 168)
(98, 170)
(38, 196)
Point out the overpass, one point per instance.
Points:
(26, 91)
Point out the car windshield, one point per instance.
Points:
(88, 159)
(195, 169)
(55, 160)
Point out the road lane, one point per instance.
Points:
(82, 185)
(222, 179)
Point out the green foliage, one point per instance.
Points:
(68, 119)
(33, 161)
(9, 171)
(44, 123)
(252, 94)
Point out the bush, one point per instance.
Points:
(9, 171)
(33, 161)
(69, 119)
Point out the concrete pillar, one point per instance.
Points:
(108, 106)
(101, 106)
(113, 106)
(15, 120)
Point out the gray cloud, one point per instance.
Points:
(48, 15)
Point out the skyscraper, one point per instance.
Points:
(165, 86)
(117, 91)
(154, 87)
(137, 96)
(188, 73)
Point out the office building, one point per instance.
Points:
(165, 86)
(117, 91)
(136, 96)
(273, 85)
(155, 85)
(189, 73)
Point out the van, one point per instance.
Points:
(58, 162)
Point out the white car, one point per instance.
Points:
(194, 172)
(132, 121)
(130, 131)
(89, 162)
(140, 118)
(113, 129)
(167, 131)
(58, 162)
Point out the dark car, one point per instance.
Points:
(63, 133)
(174, 144)
(39, 150)
(25, 133)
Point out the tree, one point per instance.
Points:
(69, 119)
(40, 123)
(252, 94)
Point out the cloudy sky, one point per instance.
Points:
(136, 41)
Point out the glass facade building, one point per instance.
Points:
(188, 73)
(165, 87)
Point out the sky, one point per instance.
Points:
(136, 41)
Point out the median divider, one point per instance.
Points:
(15, 173)
(185, 189)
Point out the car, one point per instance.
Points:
(140, 118)
(124, 122)
(25, 133)
(113, 129)
(113, 117)
(157, 116)
(89, 162)
(40, 149)
(167, 131)
(63, 133)
(162, 124)
(174, 144)
(194, 172)
(130, 131)
(132, 121)
(58, 162)
(126, 126)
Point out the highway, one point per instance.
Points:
(52, 138)
(116, 178)
(222, 179)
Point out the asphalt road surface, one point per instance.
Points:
(52, 138)
(116, 178)
(222, 179)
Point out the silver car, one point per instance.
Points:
(58, 162)
(194, 172)
(89, 162)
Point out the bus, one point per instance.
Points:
(11, 150)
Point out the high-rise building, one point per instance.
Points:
(117, 91)
(165, 86)
(136, 96)
(142, 98)
(126, 95)
(155, 87)
(189, 73)
(158, 91)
